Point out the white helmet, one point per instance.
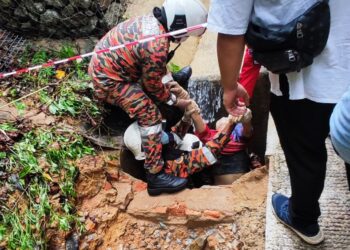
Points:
(188, 142)
(132, 140)
(181, 14)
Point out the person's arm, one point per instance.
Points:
(230, 50)
(340, 127)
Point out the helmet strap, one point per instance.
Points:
(159, 13)
(172, 53)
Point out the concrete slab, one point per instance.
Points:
(335, 207)
(206, 204)
(272, 143)
(205, 63)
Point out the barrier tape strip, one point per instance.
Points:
(133, 43)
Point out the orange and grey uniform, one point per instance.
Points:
(187, 163)
(127, 77)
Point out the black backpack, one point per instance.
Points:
(294, 45)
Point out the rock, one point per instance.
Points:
(198, 244)
(234, 228)
(113, 14)
(40, 7)
(212, 243)
(55, 3)
(85, 4)
(68, 10)
(91, 237)
(50, 17)
(72, 242)
(237, 245)
(42, 119)
(26, 26)
(89, 13)
(81, 17)
(34, 7)
(163, 226)
(91, 25)
(21, 12)
(90, 226)
(5, 3)
(106, 205)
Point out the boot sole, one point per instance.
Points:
(158, 191)
(312, 240)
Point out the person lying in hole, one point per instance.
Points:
(233, 161)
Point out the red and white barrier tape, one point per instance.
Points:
(49, 64)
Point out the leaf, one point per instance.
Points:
(53, 109)
(47, 176)
(60, 74)
(174, 67)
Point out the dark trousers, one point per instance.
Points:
(303, 127)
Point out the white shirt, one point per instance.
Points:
(329, 76)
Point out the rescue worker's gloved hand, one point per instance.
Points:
(179, 91)
(182, 104)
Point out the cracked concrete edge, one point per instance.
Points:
(192, 206)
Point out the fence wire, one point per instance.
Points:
(10, 45)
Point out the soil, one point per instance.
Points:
(105, 193)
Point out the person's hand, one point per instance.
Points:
(188, 114)
(233, 100)
(179, 91)
(247, 117)
(182, 104)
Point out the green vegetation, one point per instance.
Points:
(69, 101)
(46, 75)
(42, 163)
(173, 68)
(37, 169)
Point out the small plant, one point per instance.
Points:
(173, 68)
(71, 101)
(41, 158)
(21, 107)
(25, 57)
(8, 127)
(66, 51)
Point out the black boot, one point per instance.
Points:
(164, 183)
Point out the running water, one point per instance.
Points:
(208, 95)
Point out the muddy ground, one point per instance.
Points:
(118, 213)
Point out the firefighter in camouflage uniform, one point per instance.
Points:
(130, 77)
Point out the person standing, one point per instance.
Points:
(301, 102)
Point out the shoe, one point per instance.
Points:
(311, 234)
(164, 183)
(182, 76)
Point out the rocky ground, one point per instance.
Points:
(119, 214)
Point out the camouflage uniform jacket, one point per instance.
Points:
(141, 63)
